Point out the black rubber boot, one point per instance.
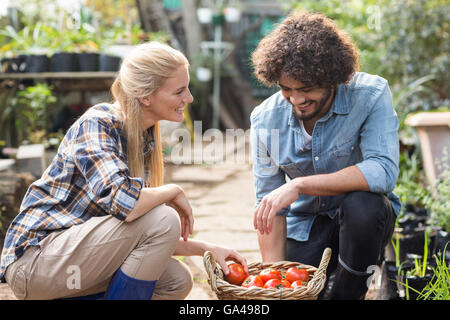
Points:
(347, 285)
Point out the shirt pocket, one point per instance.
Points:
(19, 283)
(343, 150)
(292, 170)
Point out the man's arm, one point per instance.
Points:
(339, 182)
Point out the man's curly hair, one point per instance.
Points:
(309, 48)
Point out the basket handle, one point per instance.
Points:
(322, 269)
(211, 267)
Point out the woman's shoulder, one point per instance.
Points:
(102, 117)
(106, 114)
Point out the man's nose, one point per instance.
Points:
(297, 99)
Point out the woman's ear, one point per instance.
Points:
(146, 101)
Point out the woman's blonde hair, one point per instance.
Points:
(143, 71)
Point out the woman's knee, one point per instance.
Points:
(175, 283)
(163, 221)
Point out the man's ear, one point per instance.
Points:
(146, 101)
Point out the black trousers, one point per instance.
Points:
(357, 235)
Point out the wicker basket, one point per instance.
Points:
(227, 291)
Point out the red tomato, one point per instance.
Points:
(253, 281)
(269, 273)
(285, 283)
(237, 274)
(294, 274)
(298, 283)
(277, 284)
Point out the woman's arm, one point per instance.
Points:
(170, 194)
(149, 198)
(221, 254)
(273, 244)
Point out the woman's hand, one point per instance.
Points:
(273, 203)
(181, 204)
(223, 254)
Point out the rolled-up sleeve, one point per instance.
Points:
(96, 154)
(380, 146)
(267, 175)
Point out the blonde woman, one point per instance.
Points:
(100, 223)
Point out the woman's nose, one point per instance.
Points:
(189, 98)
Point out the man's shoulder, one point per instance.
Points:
(365, 82)
(274, 108)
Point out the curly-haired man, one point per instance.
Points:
(333, 132)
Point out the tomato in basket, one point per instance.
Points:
(236, 274)
(277, 284)
(295, 273)
(269, 274)
(253, 281)
(298, 283)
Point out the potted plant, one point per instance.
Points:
(414, 280)
(87, 47)
(38, 49)
(438, 288)
(63, 59)
(13, 60)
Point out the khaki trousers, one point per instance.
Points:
(82, 260)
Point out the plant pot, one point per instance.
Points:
(411, 243)
(36, 63)
(88, 61)
(13, 65)
(416, 283)
(64, 62)
(443, 243)
(434, 134)
(393, 278)
(109, 62)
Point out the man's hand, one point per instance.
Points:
(273, 203)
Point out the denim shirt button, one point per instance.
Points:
(316, 158)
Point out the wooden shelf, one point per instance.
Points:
(59, 75)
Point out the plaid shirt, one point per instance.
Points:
(88, 177)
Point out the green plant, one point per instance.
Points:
(439, 286)
(420, 264)
(32, 39)
(30, 108)
(411, 183)
(415, 37)
(440, 202)
(396, 246)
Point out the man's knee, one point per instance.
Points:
(362, 208)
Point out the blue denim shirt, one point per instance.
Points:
(361, 128)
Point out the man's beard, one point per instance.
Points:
(322, 102)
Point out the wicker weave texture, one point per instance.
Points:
(227, 291)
